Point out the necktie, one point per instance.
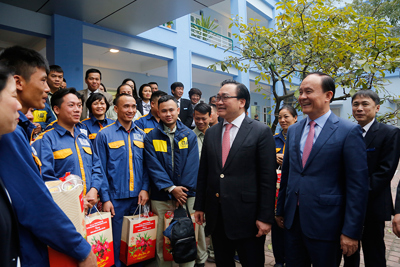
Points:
(226, 143)
(309, 143)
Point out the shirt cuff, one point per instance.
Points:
(169, 189)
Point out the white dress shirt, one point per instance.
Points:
(235, 128)
(367, 126)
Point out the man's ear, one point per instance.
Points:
(56, 110)
(242, 102)
(329, 95)
(116, 109)
(19, 82)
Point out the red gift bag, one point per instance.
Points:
(138, 238)
(99, 236)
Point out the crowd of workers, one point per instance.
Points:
(148, 147)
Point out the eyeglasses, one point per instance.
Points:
(224, 98)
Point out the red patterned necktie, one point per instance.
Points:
(309, 143)
(226, 143)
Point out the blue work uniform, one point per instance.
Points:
(41, 222)
(280, 141)
(158, 160)
(94, 126)
(147, 122)
(60, 152)
(26, 126)
(43, 116)
(121, 156)
(80, 126)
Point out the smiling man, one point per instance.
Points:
(324, 184)
(93, 80)
(120, 148)
(184, 105)
(383, 153)
(65, 149)
(236, 180)
(172, 160)
(41, 222)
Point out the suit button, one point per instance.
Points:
(217, 195)
(222, 176)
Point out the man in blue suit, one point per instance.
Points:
(324, 186)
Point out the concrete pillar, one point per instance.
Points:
(65, 48)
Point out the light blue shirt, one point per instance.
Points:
(319, 124)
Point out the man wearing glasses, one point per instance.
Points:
(236, 181)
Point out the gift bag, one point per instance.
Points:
(167, 249)
(138, 238)
(278, 185)
(67, 193)
(99, 236)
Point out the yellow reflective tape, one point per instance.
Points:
(116, 144)
(147, 130)
(81, 167)
(183, 143)
(38, 162)
(160, 145)
(130, 163)
(92, 136)
(62, 154)
(87, 150)
(139, 144)
(278, 149)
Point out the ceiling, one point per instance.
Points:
(119, 15)
(127, 16)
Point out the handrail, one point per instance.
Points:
(194, 25)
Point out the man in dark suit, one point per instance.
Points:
(383, 153)
(93, 80)
(324, 187)
(236, 181)
(186, 113)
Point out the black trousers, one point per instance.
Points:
(373, 246)
(250, 250)
(278, 243)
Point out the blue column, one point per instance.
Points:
(180, 68)
(238, 8)
(65, 48)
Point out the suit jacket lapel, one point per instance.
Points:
(327, 131)
(299, 132)
(244, 130)
(372, 132)
(218, 143)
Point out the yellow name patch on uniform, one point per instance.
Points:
(160, 145)
(183, 143)
(62, 154)
(39, 115)
(116, 144)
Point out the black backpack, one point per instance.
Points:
(183, 241)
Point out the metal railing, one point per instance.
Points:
(215, 38)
